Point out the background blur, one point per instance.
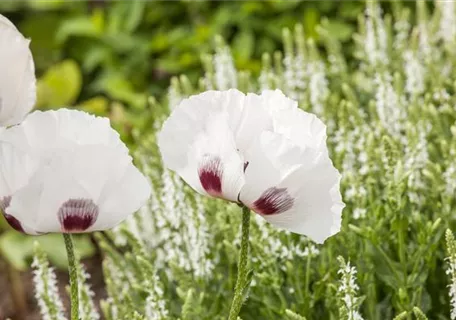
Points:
(91, 53)
(109, 57)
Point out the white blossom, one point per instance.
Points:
(17, 78)
(224, 149)
(225, 72)
(67, 171)
(447, 30)
(318, 86)
(348, 290)
(414, 73)
(155, 307)
(389, 105)
(46, 290)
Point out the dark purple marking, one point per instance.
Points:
(13, 222)
(210, 174)
(246, 164)
(273, 201)
(4, 203)
(77, 215)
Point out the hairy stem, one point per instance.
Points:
(73, 276)
(242, 266)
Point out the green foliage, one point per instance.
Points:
(59, 86)
(140, 44)
(17, 248)
(293, 316)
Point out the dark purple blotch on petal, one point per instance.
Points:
(273, 201)
(77, 215)
(12, 221)
(210, 173)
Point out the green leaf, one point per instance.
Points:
(97, 105)
(244, 44)
(119, 88)
(135, 14)
(46, 5)
(80, 27)
(340, 30)
(60, 85)
(17, 248)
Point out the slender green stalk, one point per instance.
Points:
(307, 284)
(73, 276)
(242, 266)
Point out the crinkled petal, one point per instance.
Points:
(71, 179)
(121, 197)
(276, 102)
(254, 119)
(304, 129)
(43, 132)
(294, 188)
(317, 208)
(202, 150)
(17, 79)
(16, 168)
(190, 118)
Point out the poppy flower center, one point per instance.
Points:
(210, 174)
(273, 201)
(77, 215)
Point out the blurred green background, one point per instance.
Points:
(94, 53)
(108, 57)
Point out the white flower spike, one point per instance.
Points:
(67, 171)
(17, 76)
(258, 150)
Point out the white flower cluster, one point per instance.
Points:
(416, 158)
(304, 75)
(318, 86)
(46, 289)
(155, 308)
(269, 245)
(447, 30)
(87, 309)
(294, 75)
(225, 71)
(348, 290)
(451, 271)
(375, 38)
(414, 73)
(390, 106)
(173, 226)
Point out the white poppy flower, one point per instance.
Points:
(258, 150)
(17, 77)
(67, 171)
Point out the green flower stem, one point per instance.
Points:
(73, 276)
(242, 266)
(307, 284)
